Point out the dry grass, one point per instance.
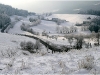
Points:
(86, 63)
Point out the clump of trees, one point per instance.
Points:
(28, 29)
(58, 21)
(79, 41)
(70, 39)
(18, 18)
(47, 14)
(37, 45)
(92, 12)
(34, 21)
(84, 28)
(44, 33)
(76, 40)
(95, 25)
(24, 27)
(4, 19)
(64, 29)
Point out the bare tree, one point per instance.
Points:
(70, 39)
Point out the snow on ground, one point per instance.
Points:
(73, 18)
(23, 62)
(16, 28)
(50, 26)
(11, 41)
(47, 26)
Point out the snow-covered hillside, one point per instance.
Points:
(23, 62)
(13, 60)
(50, 26)
(9, 41)
(73, 18)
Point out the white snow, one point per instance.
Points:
(23, 62)
(73, 18)
(39, 63)
(50, 26)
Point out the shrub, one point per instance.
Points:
(87, 62)
(37, 45)
(27, 45)
(17, 18)
(32, 20)
(79, 42)
(77, 24)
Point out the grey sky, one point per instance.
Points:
(55, 6)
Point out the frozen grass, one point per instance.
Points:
(86, 63)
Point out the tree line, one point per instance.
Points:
(91, 12)
(4, 19)
(6, 11)
(14, 11)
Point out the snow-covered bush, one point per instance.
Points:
(17, 18)
(73, 29)
(27, 45)
(32, 20)
(32, 31)
(4, 20)
(64, 29)
(24, 27)
(58, 21)
(35, 21)
(37, 45)
(86, 63)
(43, 52)
(44, 33)
(79, 41)
(70, 39)
(77, 24)
(30, 46)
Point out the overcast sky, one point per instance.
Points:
(55, 6)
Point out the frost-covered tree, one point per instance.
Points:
(24, 27)
(44, 33)
(14, 11)
(79, 41)
(38, 45)
(4, 19)
(73, 29)
(27, 45)
(95, 25)
(70, 39)
(32, 20)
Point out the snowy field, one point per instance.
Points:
(23, 62)
(73, 18)
(50, 26)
